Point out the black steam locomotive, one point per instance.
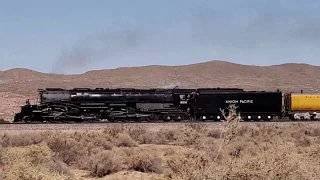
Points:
(126, 104)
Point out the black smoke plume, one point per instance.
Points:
(98, 47)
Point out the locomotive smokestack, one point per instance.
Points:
(301, 91)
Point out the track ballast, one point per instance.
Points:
(162, 122)
(72, 127)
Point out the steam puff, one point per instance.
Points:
(98, 47)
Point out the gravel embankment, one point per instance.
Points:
(83, 126)
(102, 126)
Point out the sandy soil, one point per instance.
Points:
(237, 151)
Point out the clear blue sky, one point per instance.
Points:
(74, 36)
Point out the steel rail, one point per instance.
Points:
(156, 122)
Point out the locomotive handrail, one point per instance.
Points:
(52, 89)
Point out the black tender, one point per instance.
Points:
(129, 104)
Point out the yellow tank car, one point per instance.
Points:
(305, 102)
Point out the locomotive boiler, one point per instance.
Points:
(128, 104)
(100, 104)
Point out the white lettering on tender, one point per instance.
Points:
(232, 101)
(239, 101)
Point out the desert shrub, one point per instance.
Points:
(123, 158)
(67, 149)
(278, 162)
(136, 133)
(235, 150)
(187, 136)
(25, 139)
(124, 140)
(188, 165)
(104, 163)
(56, 165)
(142, 161)
(115, 130)
(303, 141)
(31, 162)
(191, 151)
(181, 135)
(214, 133)
(168, 135)
(231, 128)
(1, 160)
(152, 138)
(196, 126)
(74, 149)
(139, 134)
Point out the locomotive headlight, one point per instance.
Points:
(269, 117)
(259, 117)
(249, 117)
(204, 117)
(218, 117)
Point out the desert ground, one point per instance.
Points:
(232, 150)
(229, 150)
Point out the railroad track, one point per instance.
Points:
(155, 122)
(102, 125)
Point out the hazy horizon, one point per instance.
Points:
(97, 69)
(78, 36)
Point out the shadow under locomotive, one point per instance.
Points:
(127, 104)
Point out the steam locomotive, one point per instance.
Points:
(129, 104)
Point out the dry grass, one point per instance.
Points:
(194, 151)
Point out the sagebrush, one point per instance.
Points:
(191, 151)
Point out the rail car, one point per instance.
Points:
(129, 104)
(300, 106)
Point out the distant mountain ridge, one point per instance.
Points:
(164, 66)
(286, 77)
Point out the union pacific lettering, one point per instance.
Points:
(248, 101)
